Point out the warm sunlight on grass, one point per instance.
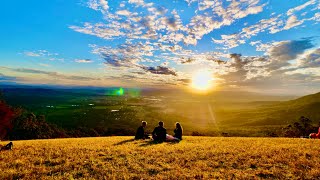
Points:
(202, 81)
(193, 158)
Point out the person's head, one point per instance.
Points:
(178, 125)
(144, 123)
(161, 123)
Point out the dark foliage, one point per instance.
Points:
(30, 126)
(196, 133)
(6, 115)
(301, 128)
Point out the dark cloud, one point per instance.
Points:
(33, 71)
(7, 78)
(140, 73)
(114, 60)
(160, 70)
(311, 60)
(184, 81)
(187, 60)
(53, 74)
(125, 55)
(288, 50)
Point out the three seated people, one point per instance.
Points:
(159, 134)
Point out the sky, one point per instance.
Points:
(267, 46)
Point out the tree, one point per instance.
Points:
(301, 128)
(6, 116)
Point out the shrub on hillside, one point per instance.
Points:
(30, 126)
(301, 128)
(6, 115)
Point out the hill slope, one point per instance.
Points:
(283, 113)
(193, 158)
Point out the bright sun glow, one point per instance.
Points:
(202, 80)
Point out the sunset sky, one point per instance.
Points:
(258, 45)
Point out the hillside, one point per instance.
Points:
(193, 158)
(104, 111)
(282, 113)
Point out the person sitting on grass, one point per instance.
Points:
(7, 147)
(159, 133)
(178, 131)
(177, 134)
(140, 134)
(315, 135)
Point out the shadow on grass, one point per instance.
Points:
(124, 142)
(145, 142)
(151, 142)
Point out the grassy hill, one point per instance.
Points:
(193, 158)
(276, 114)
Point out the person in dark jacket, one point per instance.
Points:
(178, 131)
(140, 134)
(7, 147)
(159, 133)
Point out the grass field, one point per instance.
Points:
(193, 158)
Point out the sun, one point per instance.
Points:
(202, 80)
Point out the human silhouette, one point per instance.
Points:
(140, 134)
(178, 131)
(159, 133)
(7, 147)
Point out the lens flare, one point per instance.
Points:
(128, 92)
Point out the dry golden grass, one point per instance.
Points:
(193, 158)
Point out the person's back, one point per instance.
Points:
(140, 134)
(178, 131)
(159, 133)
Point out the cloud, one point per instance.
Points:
(145, 40)
(83, 61)
(155, 23)
(7, 78)
(52, 74)
(39, 53)
(310, 59)
(137, 2)
(125, 55)
(32, 54)
(98, 5)
(301, 7)
(160, 70)
(289, 50)
(44, 65)
(275, 24)
(44, 54)
(292, 22)
(187, 60)
(123, 13)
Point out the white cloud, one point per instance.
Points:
(44, 54)
(137, 2)
(44, 65)
(99, 5)
(292, 22)
(301, 7)
(83, 60)
(32, 54)
(123, 13)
